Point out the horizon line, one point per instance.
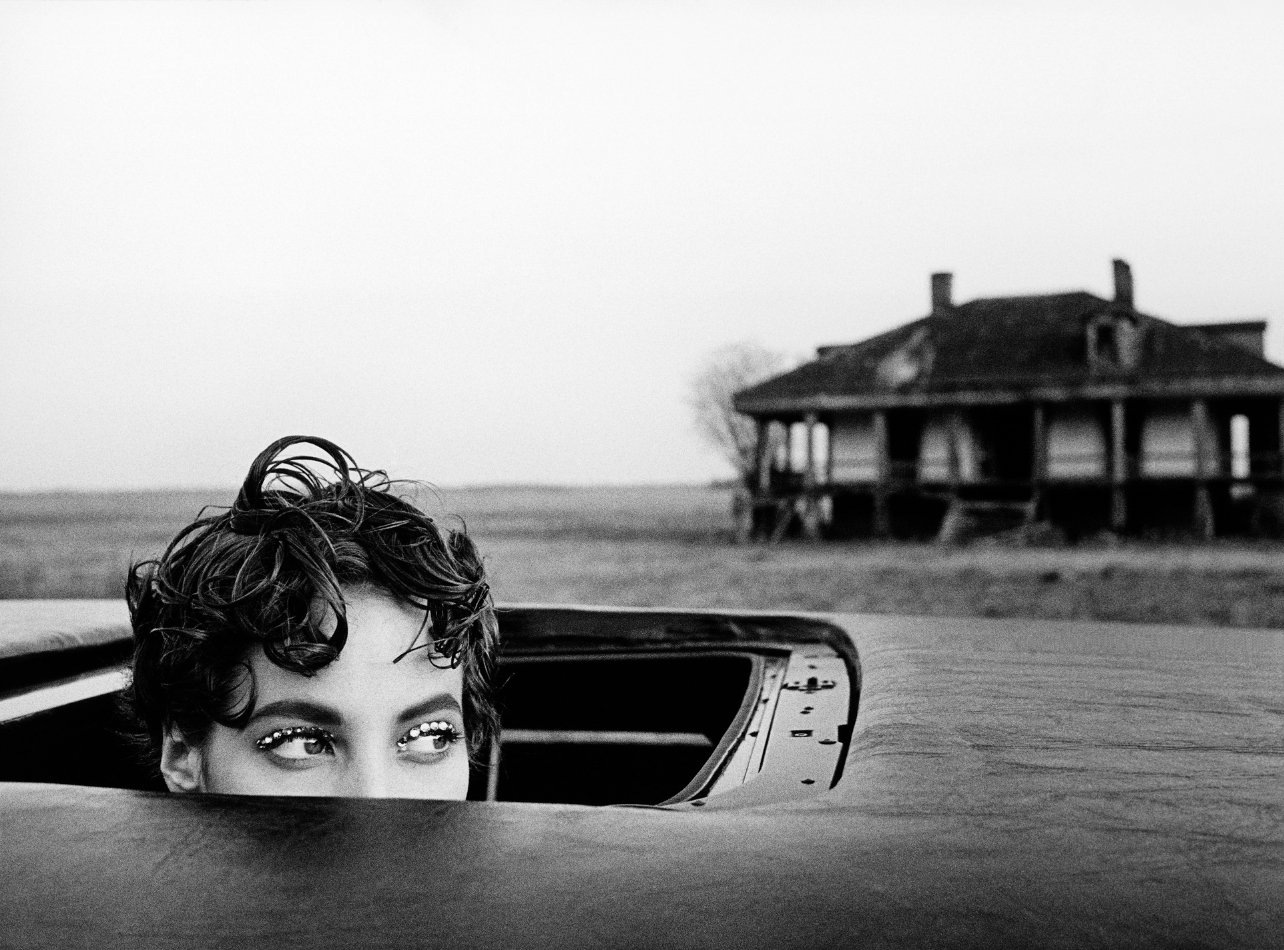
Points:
(712, 482)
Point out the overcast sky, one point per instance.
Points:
(490, 242)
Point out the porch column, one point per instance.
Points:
(811, 506)
(809, 460)
(882, 516)
(755, 479)
(763, 459)
(744, 503)
(953, 440)
(1281, 445)
(1118, 467)
(1203, 514)
(829, 452)
(1039, 459)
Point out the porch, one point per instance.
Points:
(1142, 466)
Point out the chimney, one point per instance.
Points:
(1123, 284)
(941, 292)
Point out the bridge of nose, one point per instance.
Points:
(369, 765)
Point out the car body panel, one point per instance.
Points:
(1007, 783)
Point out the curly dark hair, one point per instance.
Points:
(255, 575)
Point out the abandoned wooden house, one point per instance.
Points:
(1062, 409)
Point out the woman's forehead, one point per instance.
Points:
(381, 618)
(381, 628)
(379, 624)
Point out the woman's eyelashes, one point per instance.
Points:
(428, 740)
(297, 744)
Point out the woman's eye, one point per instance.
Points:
(428, 740)
(297, 743)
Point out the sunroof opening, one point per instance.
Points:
(82, 743)
(585, 730)
(598, 707)
(620, 729)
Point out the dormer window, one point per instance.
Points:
(1114, 342)
(1107, 344)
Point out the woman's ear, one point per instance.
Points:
(181, 765)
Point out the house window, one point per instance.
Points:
(1240, 457)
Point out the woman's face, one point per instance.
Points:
(361, 727)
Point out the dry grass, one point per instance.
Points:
(670, 546)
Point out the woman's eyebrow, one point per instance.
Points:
(300, 709)
(421, 711)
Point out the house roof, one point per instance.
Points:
(1004, 344)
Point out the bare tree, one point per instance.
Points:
(726, 371)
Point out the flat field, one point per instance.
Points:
(671, 546)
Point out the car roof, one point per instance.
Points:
(30, 627)
(1007, 782)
